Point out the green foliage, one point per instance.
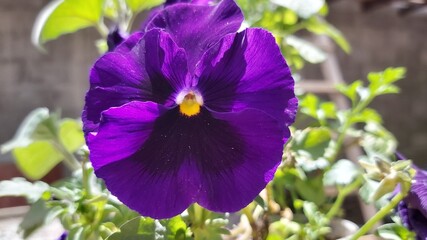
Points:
(42, 141)
(285, 19)
(206, 225)
(319, 26)
(139, 5)
(66, 16)
(343, 172)
(36, 217)
(393, 231)
(306, 50)
(304, 9)
(19, 187)
(147, 228)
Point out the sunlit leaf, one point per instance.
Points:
(34, 219)
(65, 16)
(19, 187)
(307, 50)
(139, 5)
(393, 231)
(147, 228)
(25, 133)
(71, 134)
(304, 9)
(37, 159)
(320, 26)
(343, 172)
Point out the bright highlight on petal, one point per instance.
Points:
(189, 103)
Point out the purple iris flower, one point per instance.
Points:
(190, 111)
(413, 209)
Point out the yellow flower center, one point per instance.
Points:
(190, 104)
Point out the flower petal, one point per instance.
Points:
(417, 196)
(221, 160)
(418, 223)
(157, 194)
(154, 70)
(197, 27)
(159, 180)
(239, 160)
(122, 132)
(129, 43)
(247, 70)
(201, 2)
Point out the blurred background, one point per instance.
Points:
(382, 33)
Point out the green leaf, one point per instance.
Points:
(304, 9)
(40, 157)
(311, 142)
(377, 141)
(25, 133)
(350, 91)
(66, 16)
(36, 160)
(367, 115)
(19, 187)
(71, 134)
(308, 105)
(76, 233)
(382, 82)
(343, 172)
(139, 5)
(147, 228)
(368, 189)
(311, 189)
(34, 219)
(320, 26)
(307, 50)
(212, 230)
(393, 231)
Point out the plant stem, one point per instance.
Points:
(102, 29)
(70, 161)
(342, 194)
(86, 178)
(342, 134)
(378, 216)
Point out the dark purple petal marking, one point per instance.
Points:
(417, 197)
(153, 70)
(122, 132)
(413, 209)
(418, 223)
(221, 161)
(246, 70)
(196, 27)
(158, 194)
(255, 151)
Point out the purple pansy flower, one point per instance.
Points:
(63, 236)
(156, 10)
(115, 37)
(189, 111)
(413, 209)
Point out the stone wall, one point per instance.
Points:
(31, 79)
